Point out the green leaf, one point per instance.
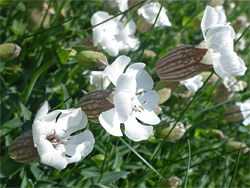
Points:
(8, 166)
(10, 125)
(65, 97)
(25, 112)
(111, 177)
(63, 55)
(118, 159)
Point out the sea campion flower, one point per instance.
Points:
(218, 39)
(193, 84)
(99, 79)
(149, 13)
(52, 136)
(112, 35)
(133, 99)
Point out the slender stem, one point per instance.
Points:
(188, 164)
(103, 164)
(235, 167)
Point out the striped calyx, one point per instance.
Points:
(181, 63)
(96, 102)
(22, 149)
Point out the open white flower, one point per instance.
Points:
(133, 99)
(121, 4)
(52, 136)
(104, 34)
(149, 13)
(193, 84)
(245, 111)
(218, 39)
(126, 39)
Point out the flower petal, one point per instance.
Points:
(117, 68)
(54, 159)
(110, 122)
(136, 131)
(209, 19)
(149, 100)
(43, 110)
(148, 117)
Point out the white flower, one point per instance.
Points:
(112, 35)
(245, 111)
(52, 136)
(150, 11)
(126, 39)
(193, 84)
(104, 34)
(218, 39)
(99, 79)
(121, 4)
(133, 99)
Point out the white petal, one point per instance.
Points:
(130, 28)
(43, 110)
(79, 146)
(98, 35)
(54, 159)
(123, 5)
(99, 17)
(136, 131)
(110, 122)
(209, 19)
(99, 79)
(117, 68)
(152, 98)
(148, 117)
(110, 45)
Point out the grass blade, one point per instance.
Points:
(188, 164)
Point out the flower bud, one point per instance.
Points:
(214, 78)
(164, 95)
(96, 102)
(215, 133)
(9, 51)
(148, 54)
(234, 145)
(143, 26)
(92, 60)
(172, 182)
(181, 63)
(36, 17)
(176, 133)
(22, 149)
(222, 94)
(233, 114)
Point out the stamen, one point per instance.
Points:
(140, 94)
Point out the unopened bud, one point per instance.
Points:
(232, 84)
(172, 182)
(222, 94)
(92, 60)
(234, 145)
(214, 78)
(181, 63)
(96, 102)
(148, 54)
(164, 95)
(176, 133)
(233, 114)
(22, 149)
(215, 133)
(36, 17)
(9, 51)
(143, 26)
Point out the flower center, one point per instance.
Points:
(137, 106)
(56, 139)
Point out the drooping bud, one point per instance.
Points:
(233, 114)
(181, 63)
(176, 133)
(36, 17)
(22, 149)
(148, 54)
(222, 94)
(172, 182)
(143, 26)
(92, 60)
(96, 102)
(164, 95)
(234, 145)
(215, 133)
(212, 80)
(9, 51)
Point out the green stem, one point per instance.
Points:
(34, 79)
(188, 164)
